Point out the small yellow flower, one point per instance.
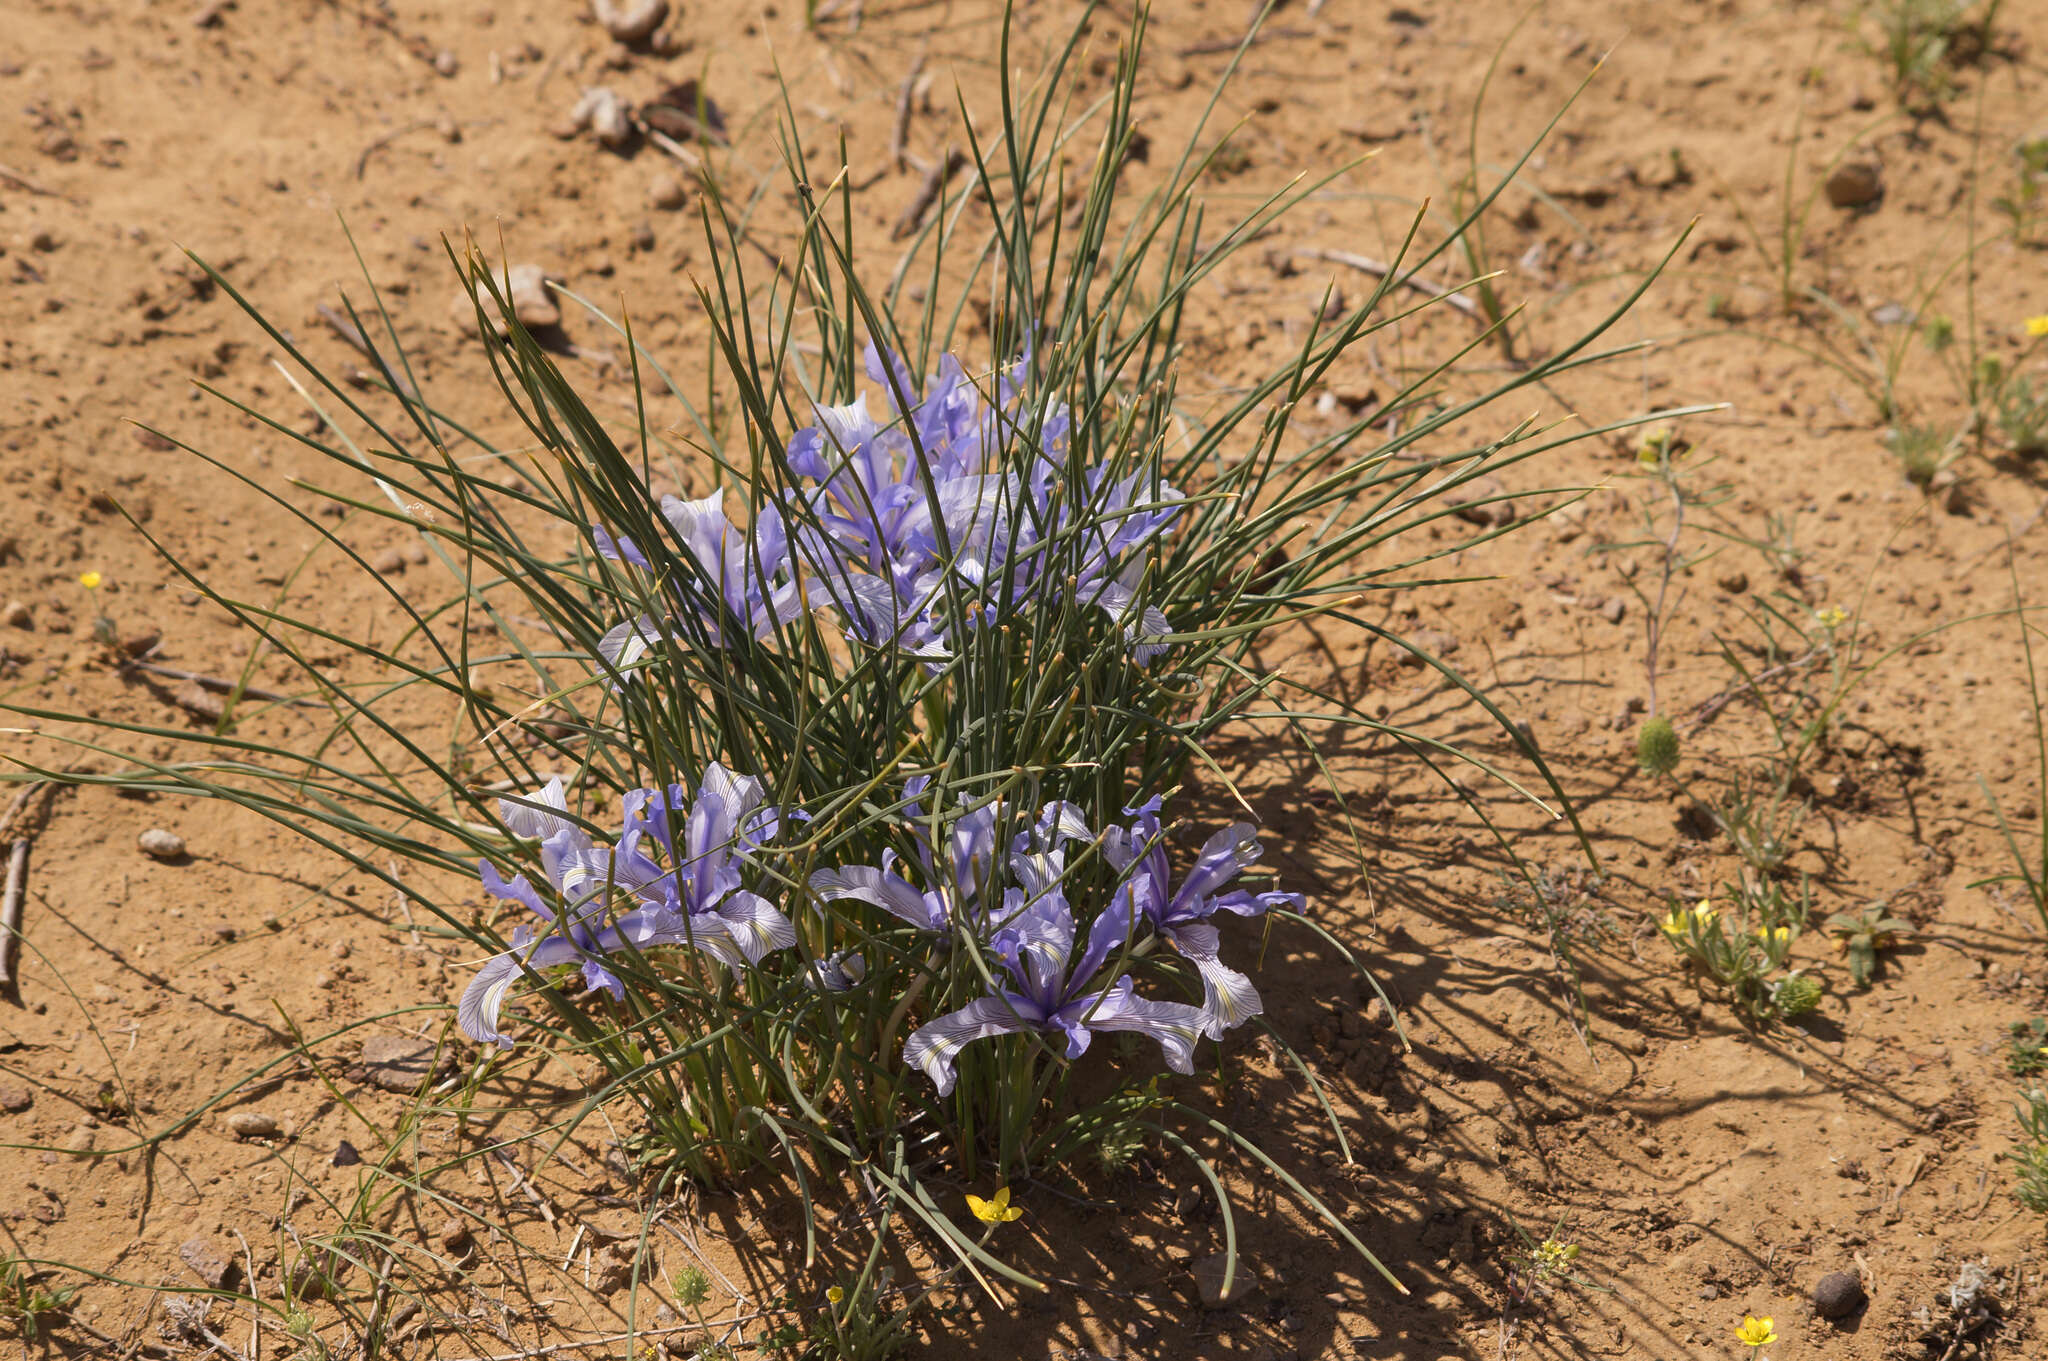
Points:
(90, 580)
(2038, 326)
(1833, 617)
(834, 1295)
(997, 1210)
(1756, 1332)
(1704, 912)
(1775, 936)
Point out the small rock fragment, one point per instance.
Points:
(1855, 184)
(1734, 583)
(1475, 502)
(346, 1155)
(664, 192)
(398, 1063)
(601, 111)
(139, 644)
(1614, 608)
(1838, 1295)
(453, 1236)
(388, 563)
(252, 1125)
(1209, 1274)
(213, 1266)
(196, 700)
(630, 21)
(16, 615)
(15, 1100)
(445, 63)
(160, 844)
(531, 302)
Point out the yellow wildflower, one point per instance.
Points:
(2038, 326)
(1704, 912)
(1833, 617)
(1756, 1332)
(90, 580)
(997, 1210)
(1778, 936)
(1673, 924)
(834, 1295)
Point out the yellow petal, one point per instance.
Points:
(983, 1210)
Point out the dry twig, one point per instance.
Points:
(10, 909)
(1381, 269)
(899, 136)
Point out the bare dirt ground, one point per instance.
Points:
(1706, 1169)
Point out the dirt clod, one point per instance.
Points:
(1838, 1294)
(1855, 184)
(15, 1100)
(453, 1236)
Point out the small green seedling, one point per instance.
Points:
(2028, 1052)
(1864, 937)
(28, 1301)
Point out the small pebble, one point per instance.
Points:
(160, 844)
(252, 1125)
(1734, 583)
(531, 302)
(15, 1100)
(453, 1236)
(1838, 1295)
(665, 193)
(1209, 1274)
(1855, 184)
(16, 615)
(445, 63)
(630, 21)
(388, 563)
(345, 1154)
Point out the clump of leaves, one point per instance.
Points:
(28, 1301)
(2026, 203)
(2027, 1054)
(1863, 937)
(2023, 415)
(1923, 41)
(1657, 746)
(1922, 451)
(1746, 949)
(2031, 1157)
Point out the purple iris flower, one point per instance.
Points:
(1049, 991)
(968, 849)
(751, 578)
(905, 522)
(1146, 896)
(675, 889)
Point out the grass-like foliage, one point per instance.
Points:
(850, 791)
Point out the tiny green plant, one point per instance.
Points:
(2026, 203)
(2030, 1158)
(1922, 42)
(2029, 851)
(28, 1300)
(1863, 937)
(1745, 950)
(2026, 1053)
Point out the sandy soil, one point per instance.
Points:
(1707, 1170)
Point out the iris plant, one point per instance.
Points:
(674, 878)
